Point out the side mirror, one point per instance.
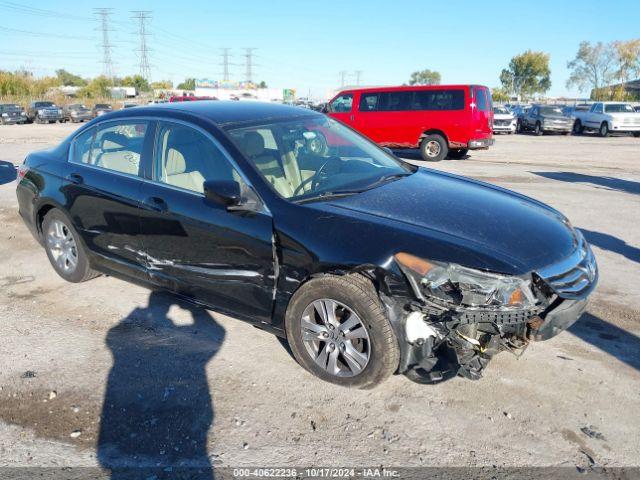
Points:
(325, 108)
(226, 193)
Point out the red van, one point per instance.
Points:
(440, 120)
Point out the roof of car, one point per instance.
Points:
(230, 112)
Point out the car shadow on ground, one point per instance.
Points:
(613, 244)
(8, 172)
(611, 183)
(615, 341)
(414, 154)
(157, 408)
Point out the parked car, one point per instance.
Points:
(44, 112)
(189, 98)
(571, 111)
(12, 113)
(519, 111)
(608, 117)
(637, 108)
(76, 113)
(440, 120)
(235, 207)
(541, 119)
(101, 109)
(504, 121)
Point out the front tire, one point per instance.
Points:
(64, 248)
(538, 130)
(433, 148)
(338, 330)
(604, 130)
(578, 129)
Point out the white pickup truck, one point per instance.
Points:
(607, 118)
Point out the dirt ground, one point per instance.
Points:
(107, 359)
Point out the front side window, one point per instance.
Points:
(598, 108)
(118, 146)
(186, 158)
(316, 158)
(342, 103)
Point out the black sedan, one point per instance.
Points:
(291, 221)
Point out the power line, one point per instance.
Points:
(143, 16)
(103, 14)
(249, 64)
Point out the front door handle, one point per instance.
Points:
(351, 117)
(156, 204)
(76, 178)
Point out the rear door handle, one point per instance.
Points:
(156, 204)
(76, 178)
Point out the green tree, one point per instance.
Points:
(527, 74)
(96, 88)
(425, 77)
(500, 94)
(69, 79)
(162, 85)
(628, 61)
(593, 66)
(262, 84)
(188, 84)
(137, 81)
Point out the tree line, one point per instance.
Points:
(594, 69)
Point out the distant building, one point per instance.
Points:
(237, 90)
(631, 89)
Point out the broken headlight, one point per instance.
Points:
(452, 285)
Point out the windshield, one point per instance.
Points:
(102, 105)
(45, 104)
(316, 157)
(619, 108)
(550, 110)
(9, 107)
(501, 111)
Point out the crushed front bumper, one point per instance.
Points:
(558, 319)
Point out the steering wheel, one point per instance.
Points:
(315, 177)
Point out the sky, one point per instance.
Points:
(306, 44)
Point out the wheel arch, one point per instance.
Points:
(433, 131)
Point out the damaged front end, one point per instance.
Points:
(461, 317)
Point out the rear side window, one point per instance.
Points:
(438, 100)
(117, 147)
(368, 102)
(342, 103)
(81, 147)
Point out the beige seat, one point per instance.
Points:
(116, 154)
(175, 173)
(253, 147)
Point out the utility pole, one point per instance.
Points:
(225, 64)
(358, 74)
(249, 64)
(143, 16)
(343, 76)
(107, 64)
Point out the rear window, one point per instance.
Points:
(482, 101)
(411, 100)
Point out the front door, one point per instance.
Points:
(342, 108)
(102, 192)
(196, 247)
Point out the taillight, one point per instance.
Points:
(21, 172)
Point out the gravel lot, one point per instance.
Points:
(69, 351)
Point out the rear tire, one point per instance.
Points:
(64, 248)
(578, 129)
(433, 148)
(458, 153)
(357, 299)
(604, 130)
(538, 129)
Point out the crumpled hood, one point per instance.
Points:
(492, 221)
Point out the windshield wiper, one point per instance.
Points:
(353, 191)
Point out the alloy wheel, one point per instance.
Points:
(335, 337)
(62, 246)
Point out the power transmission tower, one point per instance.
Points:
(343, 76)
(358, 74)
(107, 64)
(249, 64)
(143, 16)
(225, 64)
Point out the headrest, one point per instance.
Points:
(253, 144)
(114, 141)
(175, 162)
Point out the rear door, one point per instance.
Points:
(200, 249)
(481, 113)
(102, 191)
